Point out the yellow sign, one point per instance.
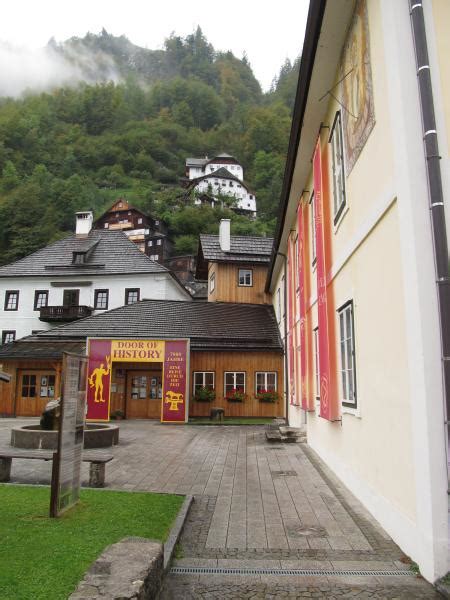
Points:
(137, 350)
(173, 399)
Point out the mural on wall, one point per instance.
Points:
(356, 87)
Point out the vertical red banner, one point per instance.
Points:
(302, 305)
(174, 408)
(291, 321)
(326, 403)
(99, 380)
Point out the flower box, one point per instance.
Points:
(204, 395)
(236, 395)
(267, 396)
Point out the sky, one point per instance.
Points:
(268, 31)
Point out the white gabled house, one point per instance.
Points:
(81, 275)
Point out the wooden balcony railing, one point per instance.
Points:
(64, 313)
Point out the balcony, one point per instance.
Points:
(64, 314)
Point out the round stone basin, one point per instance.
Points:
(32, 437)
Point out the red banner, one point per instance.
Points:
(326, 404)
(175, 383)
(302, 305)
(291, 321)
(99, 380)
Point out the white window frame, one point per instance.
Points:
(337, 167)
(243, 273)
(212, 282)
(265, 373)
(195, 385)
(234, 373)
(316, 364)
(347, 355)
(312, 218)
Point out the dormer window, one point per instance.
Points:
(79, 258)
(106, 225)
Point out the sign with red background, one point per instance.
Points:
(99, 380)
(175, 384)
(326, 404)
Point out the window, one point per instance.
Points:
(8, 336)
(245, 277)
(203, 379)
(154, 257)
(316, 362)
(139, 220)
(266, 381)
(132, 295)
(106, 225)
(212, 283)
(234, 380)
(313, 229)
(11, 299)
(40, 299)
(250, 196)
(79, 258)
(101, 299)
(158, 242)
(28, 386)
(347, 340)
(278, 305)
(337, 167)
(150, 244)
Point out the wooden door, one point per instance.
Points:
(144, 393)
(71, 297)
(34, 390)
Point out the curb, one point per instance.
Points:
(175, 532)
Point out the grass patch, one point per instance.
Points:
(231, 421)
(46, 558)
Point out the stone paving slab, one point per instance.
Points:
(253, 502)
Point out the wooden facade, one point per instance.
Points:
(226, 283)
(25, 394)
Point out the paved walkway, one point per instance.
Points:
(271, 509)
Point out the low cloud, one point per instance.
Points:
(23, 68)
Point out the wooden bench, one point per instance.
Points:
(97, 468)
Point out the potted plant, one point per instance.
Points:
(267, 396)
(204, 394)
(117, 414)
(236, 395)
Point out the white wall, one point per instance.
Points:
(159, 286)
(246, 200)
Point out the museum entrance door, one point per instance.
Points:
(144, 394)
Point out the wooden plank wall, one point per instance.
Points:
(228, 290)
(250, 362)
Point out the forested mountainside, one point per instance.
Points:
(127, 131)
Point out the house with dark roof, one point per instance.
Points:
(235, 267)
(160, 359)
(83, 274)
(150, 235)
(212, 179)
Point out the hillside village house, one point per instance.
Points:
(150, 235)
(362, 272)
(83, 274)
(223, 174)
(156, 358)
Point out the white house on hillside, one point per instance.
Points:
(222, 175)
(83, 274)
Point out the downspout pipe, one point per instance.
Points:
(436, 196)
(286, 369)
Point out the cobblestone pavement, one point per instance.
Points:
(258, 506)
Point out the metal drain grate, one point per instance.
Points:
(299, 572)
(284, 473)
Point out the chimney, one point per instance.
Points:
(83, 223)
(224, 235)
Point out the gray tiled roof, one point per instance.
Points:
(209, 325)
(196, 162)
(33, 347)
(111, 253)
(243, 249)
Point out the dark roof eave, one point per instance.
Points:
(312, 35)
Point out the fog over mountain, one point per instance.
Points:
(45, 68)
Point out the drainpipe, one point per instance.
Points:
(286, 368)
(436, 197)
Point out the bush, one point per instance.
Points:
(204, 394)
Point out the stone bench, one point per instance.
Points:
(217, 414)
(97, 467)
